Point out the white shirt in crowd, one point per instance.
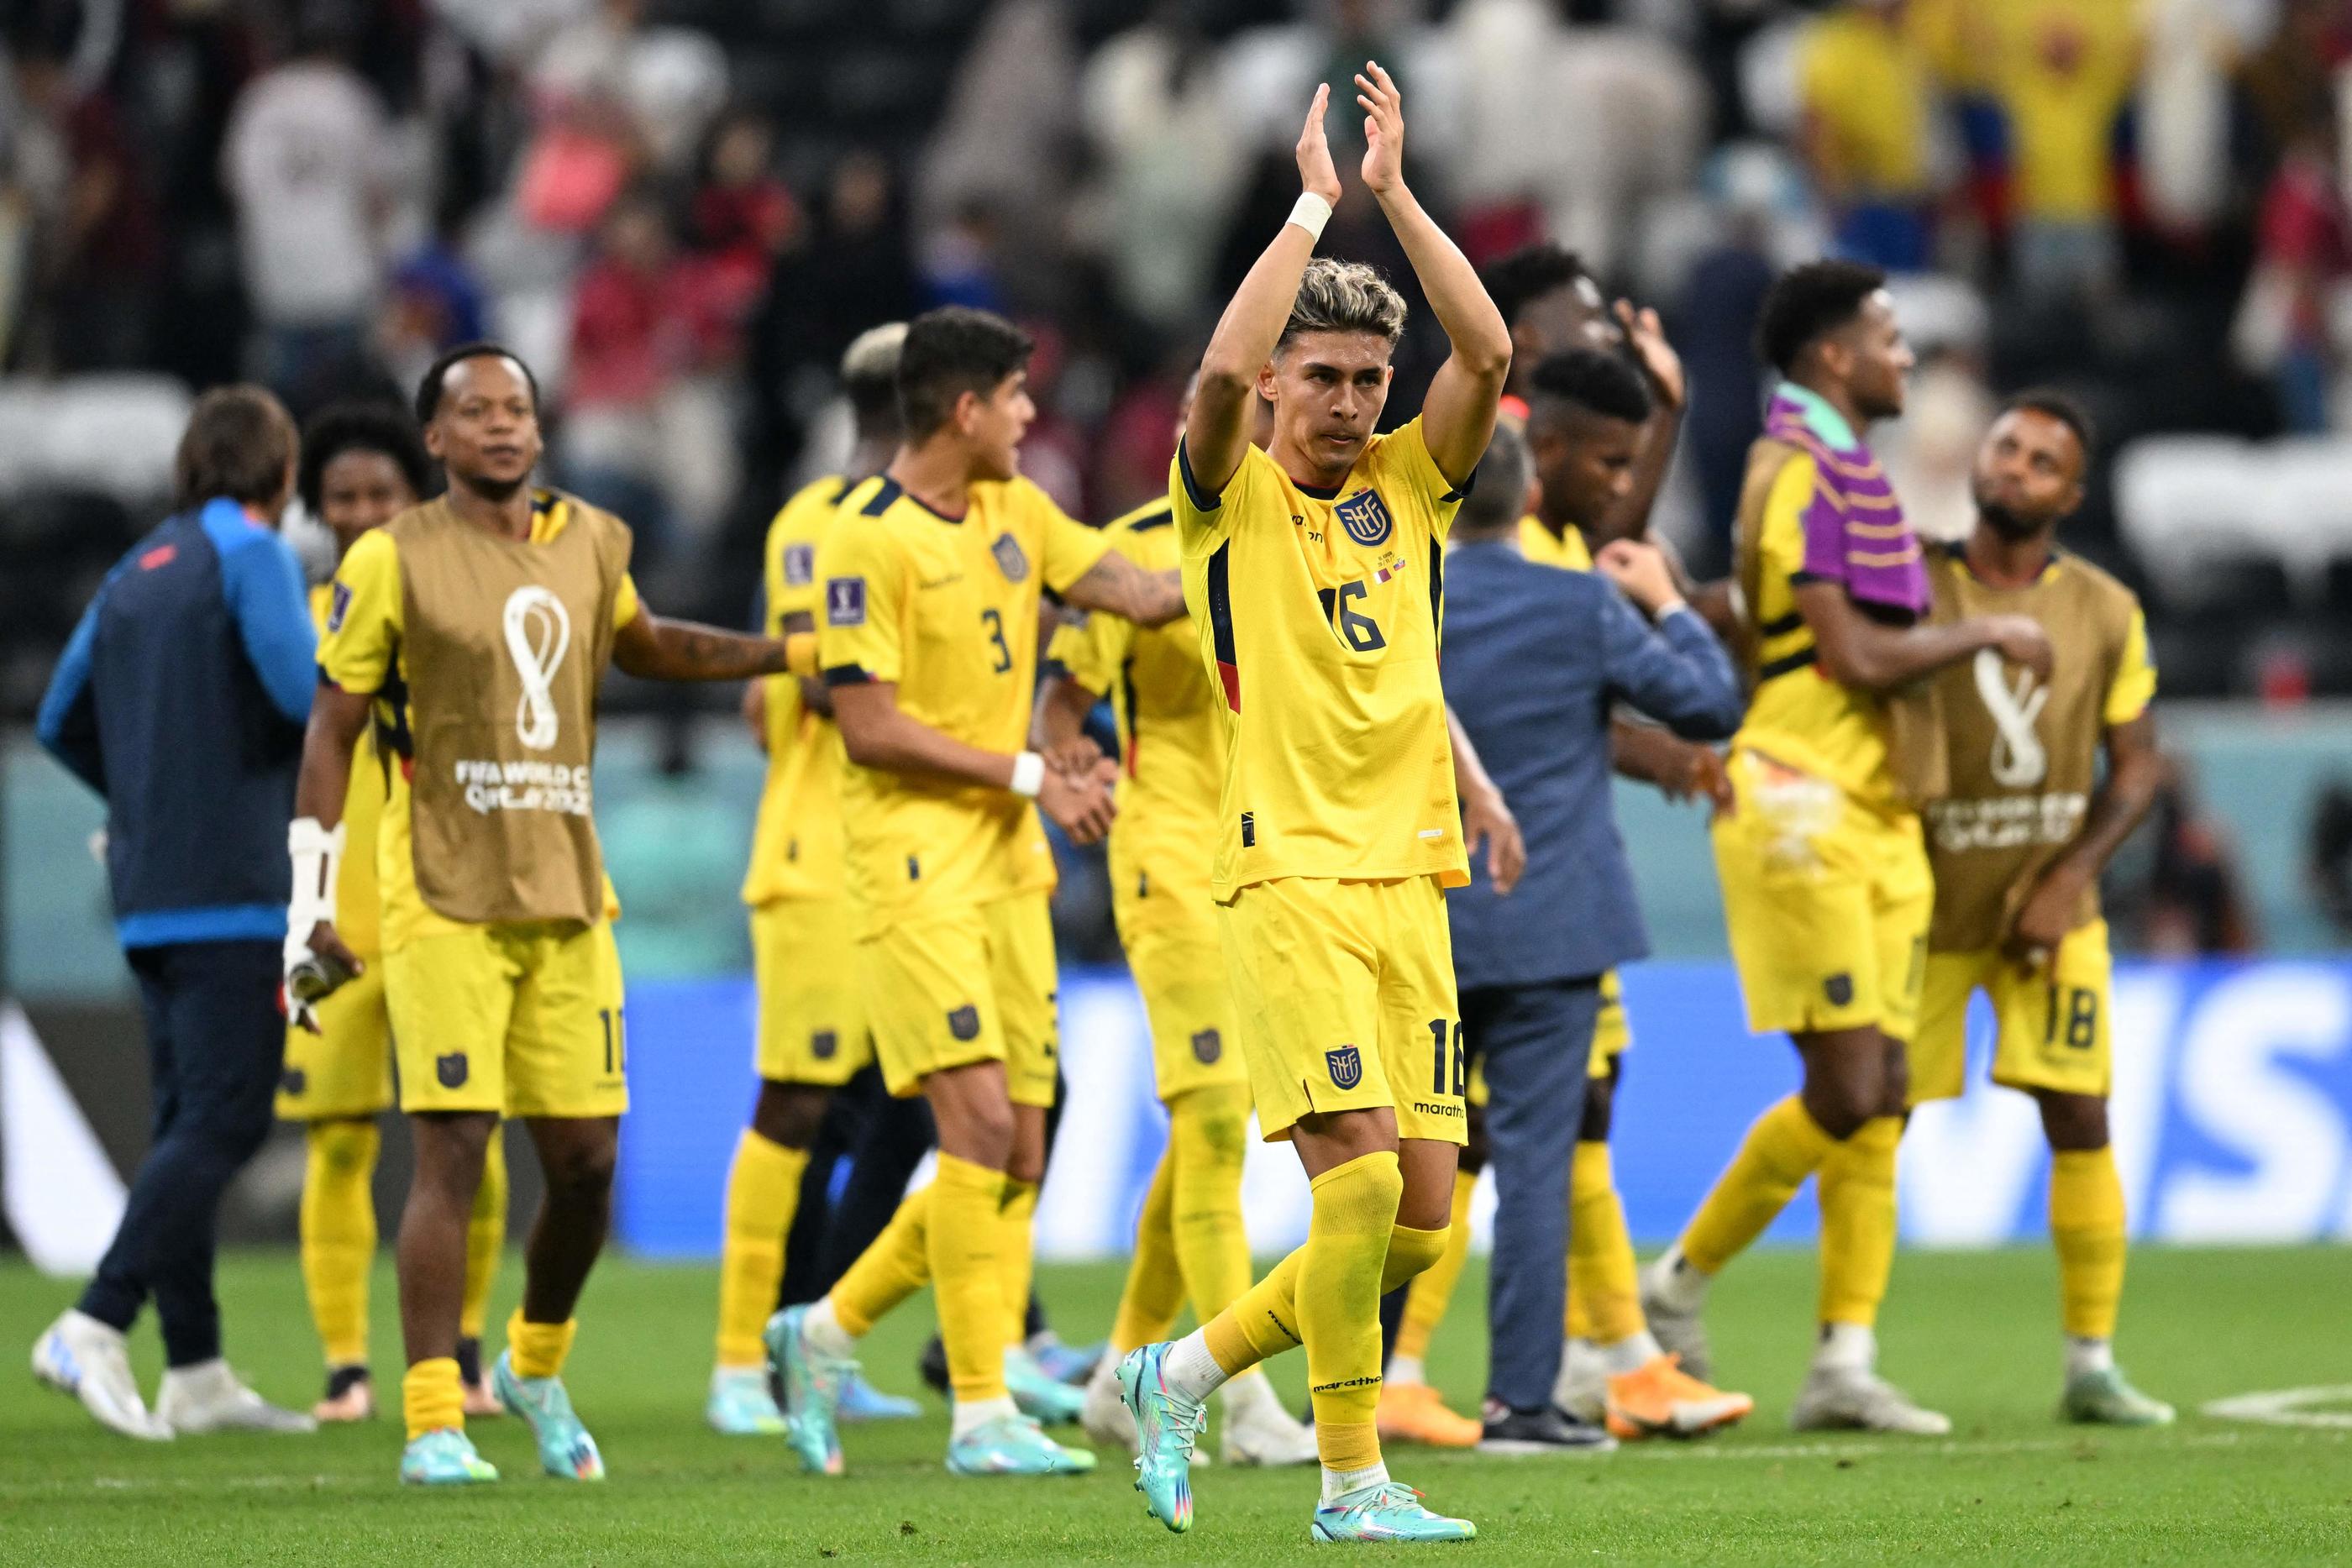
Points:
(304, 162)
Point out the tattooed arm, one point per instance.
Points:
(655, 649)
(1117, 584)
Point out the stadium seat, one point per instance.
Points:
(116, 434)
(2182, 501)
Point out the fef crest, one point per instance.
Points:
(1010, 558)
(1365, 517)
(1347, 1065)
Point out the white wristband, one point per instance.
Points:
(1310, 212)
(1028, 774)
(316, 855)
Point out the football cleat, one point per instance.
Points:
(566, 1451)
(1660, 1399)
(813, 1381)
(2102, 1398)
(1547, 1430)
(1104, 1418)
(1842, 1398)
(1413, 1413)
(1167, 1427)
(862, 1402)
(444, 1457)
(1014, 1445)
(741, 1405)
(1256, 1430)
(209, 1397)
(1679, 1330)
(1582, 1387)
(1386, 1510)
(1071, 1364)
(89, 1360)
(1045, 1400)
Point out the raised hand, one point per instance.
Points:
(1640, 570)
(1317, 175)
(1383, 109)
(1658, 359)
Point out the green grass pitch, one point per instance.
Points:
(1970, 1334)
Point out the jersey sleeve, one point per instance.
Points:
(363, 616)
(1090, 651)
(865, 588)
(1785, 543)
(625, 603)
(1201, 517)
(1071, 549)
(2134, 685)
(1405, 453)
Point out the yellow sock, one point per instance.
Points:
(337, 1222)
(1433, 1288)
(896, 1265)
(764, 1188)
(2086, 1224)
(1017, 1257)
(486, 1237)
(539, 1349)
(1208, 1132)
(1154, 1292)
(1339, 1303)
(966, 1238)
(1605, 1301)
(1265, 1321)
(431, 1397)
(1784, 1147)
(1857, 1192)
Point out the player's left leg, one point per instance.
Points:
(486, 1242)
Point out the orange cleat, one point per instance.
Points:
(1413, 1413)
(1659, 1399)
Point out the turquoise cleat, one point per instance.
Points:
(1166, 1428)
(741, 1405)
(1045, 1399)
(1386, 1510)
(2105, 1399)
(444, 1457)
(812, 1385)
(862, 1402)
(566, 1451)
(1014, 1445)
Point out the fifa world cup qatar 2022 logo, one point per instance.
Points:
(539, 633)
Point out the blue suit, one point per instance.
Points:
(180, 698)
(1535, 660)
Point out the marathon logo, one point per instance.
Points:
(526, 787)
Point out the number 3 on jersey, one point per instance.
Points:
(994, 621)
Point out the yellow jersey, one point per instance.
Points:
(362, 649)
(796, 846)
(1171, 734)
(946, 609)
(356, 919)
(1565, 550)
(1319, 614)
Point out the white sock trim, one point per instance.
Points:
(1679, 1282)
(1405, 1369)
(1632, 1354)
(1846, 1347)
(1191, 1371)
(825, 1330)
(1337, 1484)
(2088, 1355)
(969, 1414)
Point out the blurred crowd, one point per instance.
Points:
(679, 210)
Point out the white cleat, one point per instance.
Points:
(209, 1397)
(1256, 1430)
(1678, 1329)
(79, 1355)
(1104, 1418)
(1851, 1399)
(1582, 1387)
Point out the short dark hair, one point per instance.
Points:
(238, 444)
(1515, 281)
(1806, 301)
(1605, 384)
(361, 427)
(949, 351)
(2063, 407)
(1499, 491)
(428, 390)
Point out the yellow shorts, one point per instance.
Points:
(2050, 1025)
(521, 1020)
(1344, 996)
(344, 1070)
(1826, 900)
(811, 1014)
(1180, 971)
(977, 984)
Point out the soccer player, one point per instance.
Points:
(364, 463)
(1826, 890)
(473, 632)
(813, 1034)
(934, 573)
(1315, 569)
(1190, 1244)
(2018, 845)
